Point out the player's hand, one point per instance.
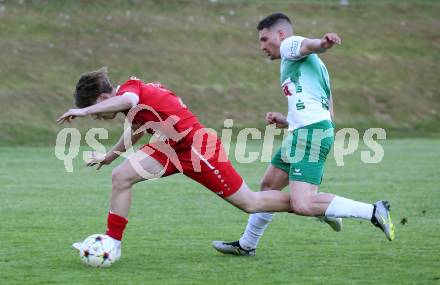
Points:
(70, 115)
(98, 159)
(330, 39)
(276, 118)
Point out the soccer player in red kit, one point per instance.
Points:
(181, 145)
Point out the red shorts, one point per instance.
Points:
(207, 164)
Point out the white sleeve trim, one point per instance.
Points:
(290, 48)
(133, 97)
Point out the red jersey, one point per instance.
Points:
(195, 154)
(157, 104)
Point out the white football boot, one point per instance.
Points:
(334, 223)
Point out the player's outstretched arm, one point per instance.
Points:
(310, 46)
(113, 104)
(70, 115)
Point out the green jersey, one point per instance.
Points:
(306, 84)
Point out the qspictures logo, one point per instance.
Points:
(303, 144)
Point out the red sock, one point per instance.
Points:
(116, 225)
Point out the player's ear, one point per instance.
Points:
(101, 97)
(105, 96)
(281, 34)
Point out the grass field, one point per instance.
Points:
(385, 74)
(44, 209)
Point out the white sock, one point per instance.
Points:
(257, 223)
(341, 207)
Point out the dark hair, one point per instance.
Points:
(272, 20)
(90, 86)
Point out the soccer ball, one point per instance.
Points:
(98, 251)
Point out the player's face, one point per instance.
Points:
(270, 42)
(104, 116)
(107, 115)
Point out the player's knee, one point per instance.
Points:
(119, 179)
(301, 207)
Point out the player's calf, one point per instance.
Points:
(303, 206)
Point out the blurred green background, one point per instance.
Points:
(385, 73)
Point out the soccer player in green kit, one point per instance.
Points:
(299, 163)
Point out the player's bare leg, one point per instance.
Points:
(306, 201)
(255, 202)
(273, 179)
(138, 167)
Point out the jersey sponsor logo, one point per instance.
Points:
(286, 91)
(292, 85)
(288, 87)
(300, 105)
